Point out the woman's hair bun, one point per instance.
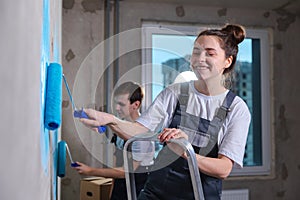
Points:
(238, 32)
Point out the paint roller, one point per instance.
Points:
(63, 150)
(53, 99)
(80, 113)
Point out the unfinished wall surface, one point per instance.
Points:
(83, 30)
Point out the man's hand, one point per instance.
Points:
(83, 169)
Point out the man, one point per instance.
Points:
(127, 100)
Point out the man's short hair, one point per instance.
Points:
(133, 89)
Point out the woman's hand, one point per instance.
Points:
(172, 133)
(96, 119)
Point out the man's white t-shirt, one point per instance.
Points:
(142, 151)
(233, 134)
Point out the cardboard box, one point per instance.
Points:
(96, 188)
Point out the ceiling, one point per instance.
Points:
(289, 5)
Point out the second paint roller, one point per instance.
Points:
(63, 150)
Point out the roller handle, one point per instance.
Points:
(82, 114)
(74, 164)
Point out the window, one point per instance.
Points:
(166, 52)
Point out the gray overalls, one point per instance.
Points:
(173, 182)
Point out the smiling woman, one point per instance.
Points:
(250, 81)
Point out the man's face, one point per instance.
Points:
(123, 106)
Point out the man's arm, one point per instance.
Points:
(117, 172)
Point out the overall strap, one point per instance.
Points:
(224, 109)
(217, 122)
(183, 96)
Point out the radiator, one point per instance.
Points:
(239, 194)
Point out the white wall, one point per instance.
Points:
(25, 160)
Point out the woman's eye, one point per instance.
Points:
(210, 53)
(196, 52)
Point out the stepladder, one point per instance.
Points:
(182, 143)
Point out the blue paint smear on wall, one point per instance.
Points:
(45, 44)
(45, 142)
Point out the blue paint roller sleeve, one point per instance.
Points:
(63, 150)
(53, 100)
(61, 159)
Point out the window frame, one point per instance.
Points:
(265, 37)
